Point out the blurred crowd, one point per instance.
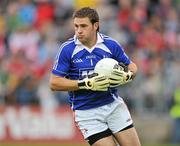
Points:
(32, 30)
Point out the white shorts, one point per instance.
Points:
(114, 116)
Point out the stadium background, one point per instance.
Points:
(32, 30)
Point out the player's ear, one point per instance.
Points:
(96, 25)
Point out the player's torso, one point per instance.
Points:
(76, 62)
(83, 63)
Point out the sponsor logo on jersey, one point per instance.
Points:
(77, 60)
(90, 56)
(85, 72)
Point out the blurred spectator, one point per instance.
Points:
(163, 8)
(13, 21)
(175, 113)
(45, 12)
(26, 12)
(3, 81)
(63, 10)
(19, 85)
(150, 39)
(2, 37)
(25, 39)
(79, 3)
(124, 13)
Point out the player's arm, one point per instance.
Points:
(126, 71)
(95, 83)
(58, 83)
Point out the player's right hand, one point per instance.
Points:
(95, 83)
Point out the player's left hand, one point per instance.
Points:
(120, 77)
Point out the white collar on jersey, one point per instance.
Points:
(99, 39)
(98, 44)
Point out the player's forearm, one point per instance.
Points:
(133, 68)
(62, 84)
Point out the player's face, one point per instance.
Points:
(85, 30)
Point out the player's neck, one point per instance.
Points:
(92, 42)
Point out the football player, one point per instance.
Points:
(100, 112)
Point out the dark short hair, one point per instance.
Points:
(87, 12)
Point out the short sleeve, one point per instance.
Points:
(120, 55)
(62, 62)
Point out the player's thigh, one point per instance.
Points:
(119, 119)
(90, 123)
(128, 137)
(106, 141)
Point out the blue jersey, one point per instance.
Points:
(75, 61)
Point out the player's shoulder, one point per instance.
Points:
(68, 43)
(109, 40)
(67, 46)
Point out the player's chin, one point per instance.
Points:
(80, 38)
